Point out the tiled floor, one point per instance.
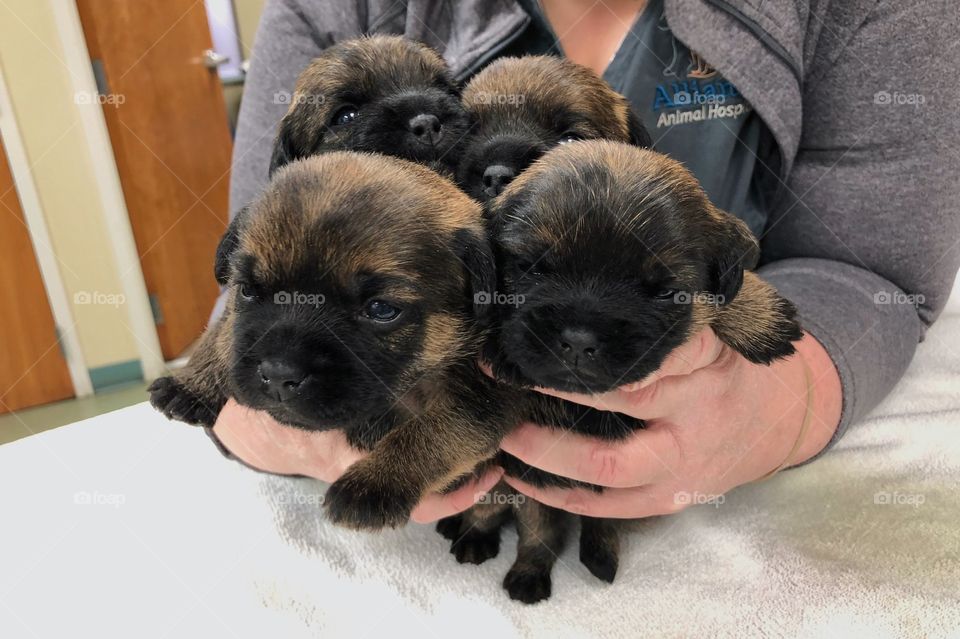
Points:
(29, 421)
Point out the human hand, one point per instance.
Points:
(257, 439)
(714, 421)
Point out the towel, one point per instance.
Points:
(129, 525)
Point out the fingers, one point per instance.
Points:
(698, 352)
(613, 503)
(645, 457)
(261, 442)
(436, 506)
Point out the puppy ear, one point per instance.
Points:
(228, 244)
(732, 248)
(476, 253)
(639, 136)
(284, 148)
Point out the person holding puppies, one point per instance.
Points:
(793, 122)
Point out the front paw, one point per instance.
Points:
(354, 502)
(449, 527)
(530, 587)
(175, 401)
(475, 547)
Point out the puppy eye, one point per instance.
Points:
(345, 115)
(533, 269)
(247, 293)
(380, 311)
(569, 136)
(666, 294)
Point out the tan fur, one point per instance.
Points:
(553, 83)
(378, 59)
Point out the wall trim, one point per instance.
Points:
(40, 238)
(126, 256)
(106, 377)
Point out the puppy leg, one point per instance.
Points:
(542, 533)
(758, 323)
(477, 534)
(196, 393)
(600, 547)
(422, 455)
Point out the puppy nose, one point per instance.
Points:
(496, 177)
(281, 380)
(578, 342)
(426, 127)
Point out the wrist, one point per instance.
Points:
(825, 397)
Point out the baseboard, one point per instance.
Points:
(104, 377)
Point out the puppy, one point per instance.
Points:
(618, 257)
(521, 107)
(351, 284)
(384, 94)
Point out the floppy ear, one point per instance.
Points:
(228, 244)
(476, 253)
(639, 136)
(284, 149)
(732, 248)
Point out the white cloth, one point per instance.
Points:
(129, 526)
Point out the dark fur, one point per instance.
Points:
(387, 81)
(356, 228)
(521, 107)
(608, 241)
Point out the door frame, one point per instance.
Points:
(126, 257)
(36, 225)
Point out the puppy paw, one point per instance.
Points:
(528, 587)
(449, 527)
(475, 547)
(601, 563)
(353, 502)
(172, 398)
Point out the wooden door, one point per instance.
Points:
(32, 368)
(168, 126)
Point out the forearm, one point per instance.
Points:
(855, 341)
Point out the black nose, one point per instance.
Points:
(577, 343)
(496, 177)
(281, 380)
(426, 127)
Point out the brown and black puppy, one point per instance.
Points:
(383, 94)
(521, 107)
(613, 256)
(351, 305)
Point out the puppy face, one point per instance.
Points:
(352, 281)
(521, 107)
(381, 94)
(617, 256)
